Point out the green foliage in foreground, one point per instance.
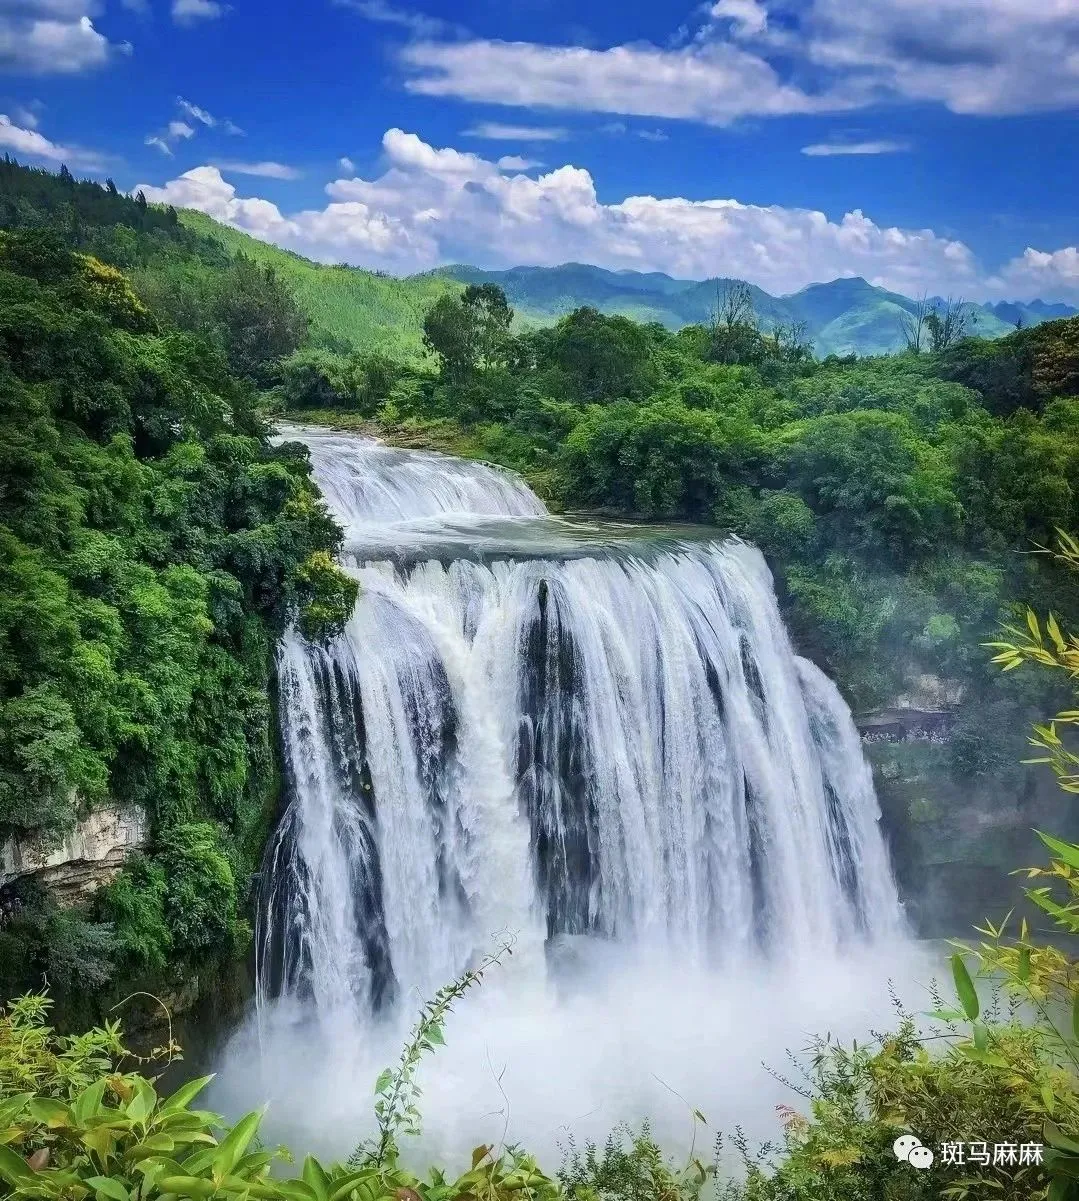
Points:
(152, 544)
(74, 1124)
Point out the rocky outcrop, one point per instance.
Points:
(88, 858)
(905, 725)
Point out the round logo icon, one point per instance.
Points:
(908, 1149)
(904, 1145)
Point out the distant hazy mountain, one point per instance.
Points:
(844, 316)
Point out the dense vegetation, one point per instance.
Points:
(152, 543)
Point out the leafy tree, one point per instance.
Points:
(881, 488)
(469, 333)
(599, 358)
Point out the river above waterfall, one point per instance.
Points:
(593, 740)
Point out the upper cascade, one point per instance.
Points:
(365, 482)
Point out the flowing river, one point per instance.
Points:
(594, 740)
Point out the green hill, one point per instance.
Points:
(374, 312)
(378, 312)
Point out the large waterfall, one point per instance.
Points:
(553, 730)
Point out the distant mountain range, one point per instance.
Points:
(376, 312)
(842, 317)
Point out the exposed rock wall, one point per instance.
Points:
(956, 841)
(89, 857)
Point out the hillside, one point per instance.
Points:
(376, 312)
(373, 312)
(842, 316)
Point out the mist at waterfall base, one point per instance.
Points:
(594, 738)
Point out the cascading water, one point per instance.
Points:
(595, 737)
(554, 730)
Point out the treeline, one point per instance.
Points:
(152, 545)
(896, 497)
(190, 280)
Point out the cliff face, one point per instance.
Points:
(88, 858)
(956, 840)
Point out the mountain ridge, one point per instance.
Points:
(382, 313)
(842, 316)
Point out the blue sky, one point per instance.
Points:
(924, 144)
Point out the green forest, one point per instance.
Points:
(156, 543)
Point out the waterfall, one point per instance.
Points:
(553, 729)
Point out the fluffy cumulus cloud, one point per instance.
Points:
(53, 37)
(1049, 275)
(435, 205)
(771, 58)
(24, 143)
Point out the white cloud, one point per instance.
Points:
(496, 132)
(418, 24)
(514, 162)
(29, 143)
(195, 112)
(972, 56)
(747, 16)
(1050, 275)
(29, 114)
(442, 205)
(180, 130)
(652, 135)
(53, 37)
(775, 58)
(187, 12)
(270, 169)
(199, 114)
(715, 82)
(175, 131)
(830, 149)
(346, 164)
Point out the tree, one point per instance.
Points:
(735, 334)
(914, 325)
(601, 358)
(792, 341)
(260, 319)
(469, 333)
(949, 324)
